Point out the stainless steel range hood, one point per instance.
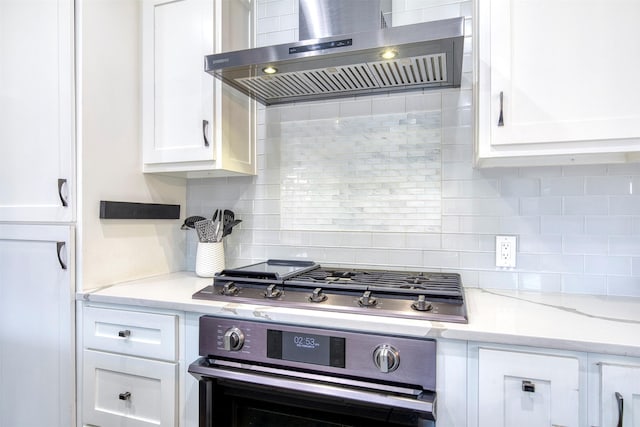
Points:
(427, 56)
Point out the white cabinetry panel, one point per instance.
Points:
(625, 381)
(527, 389)
(36, 110)
(131, 332)
(36, 326)
(562, 77)
(128, 391)
(193, 125)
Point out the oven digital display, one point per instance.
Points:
(307, 348)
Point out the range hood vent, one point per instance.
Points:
(427, 56)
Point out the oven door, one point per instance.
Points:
(241, 395)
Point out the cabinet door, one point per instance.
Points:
(192, 124)
(36, 110)
(177, 93)
(527, 390)
(624, 380)
(128, 391)
(37, 378)
(556, 77)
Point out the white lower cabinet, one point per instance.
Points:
(526, 387)
(614, 391)
(130, 368)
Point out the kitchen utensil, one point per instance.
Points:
(190, 221)
(227, 217)
(206, 230)
(229, 227)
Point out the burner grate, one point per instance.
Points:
(434, 285)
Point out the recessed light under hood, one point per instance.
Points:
(427, 56)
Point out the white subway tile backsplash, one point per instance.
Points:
(608, 185)
(540, 282)
(624, 205)
(608, 265)
(280, 7)
(540, 206)
(624, 286)
(592, 245)
(582, 284)
(608, 225)
(562, 225)
(520, 187)
(499, 279)
(624, 245)
(389, 182)
(585, 205)
(562, 186)
(561, 263)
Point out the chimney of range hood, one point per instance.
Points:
(341, 54)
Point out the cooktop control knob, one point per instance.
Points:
(233, 339)
(230, 289)
(317, 295)
(366, 300)
(422, 304)
(272, 291)
(386, 358)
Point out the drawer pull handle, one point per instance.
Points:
(124, 396)
(528, 386)
(124, 334)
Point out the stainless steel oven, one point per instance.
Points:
(268, 374)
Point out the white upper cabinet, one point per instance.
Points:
(193, 126)
(557, 81)
(36, 111)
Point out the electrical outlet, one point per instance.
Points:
(506, 251)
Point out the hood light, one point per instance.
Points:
(389, 54)
(269, 70)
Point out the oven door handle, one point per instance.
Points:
(425, 403)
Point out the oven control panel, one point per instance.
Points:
(387, 358)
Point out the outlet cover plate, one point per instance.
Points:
(506, 251)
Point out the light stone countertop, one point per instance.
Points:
(588, 323)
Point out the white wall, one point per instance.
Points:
(578, 226)
(110, 165)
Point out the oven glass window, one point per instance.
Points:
(248, 405)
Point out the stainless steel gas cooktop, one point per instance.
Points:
(305, 284)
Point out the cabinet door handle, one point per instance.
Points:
(501, 118)
(124, 334)
(205, 125)
(124, 396)
(59, 248)
(61, 183)
(620, 401)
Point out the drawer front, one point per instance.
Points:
(131, 332)
(127, 391)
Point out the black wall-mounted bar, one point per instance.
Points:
(129, 210)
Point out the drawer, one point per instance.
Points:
(134, 333)
(128, 391)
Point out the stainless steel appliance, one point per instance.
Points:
(268, 374)
(348, 48)
(305, 284)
